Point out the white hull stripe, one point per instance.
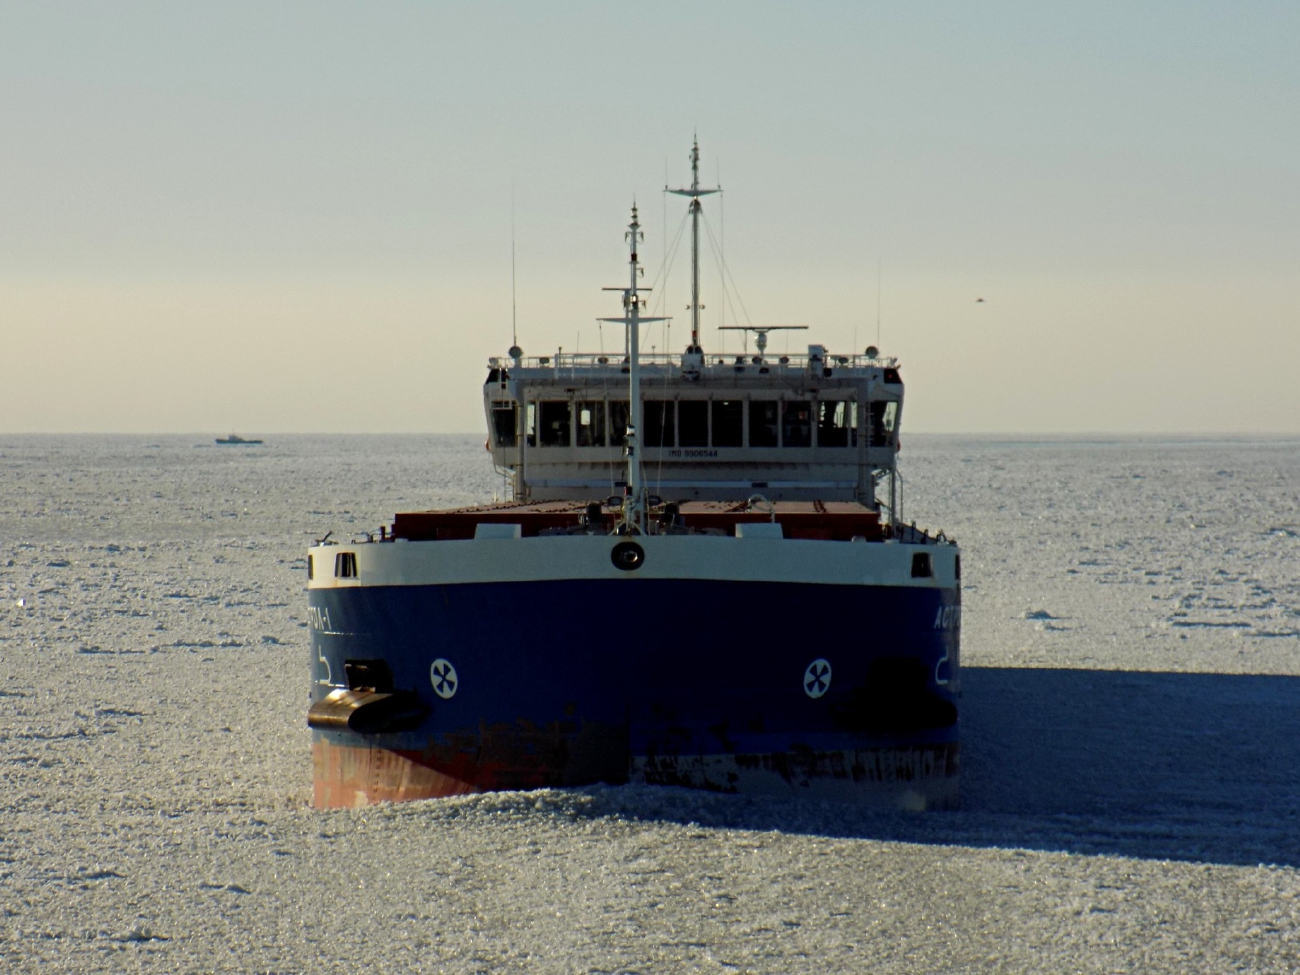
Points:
(551, 558)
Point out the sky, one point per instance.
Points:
(299, 217)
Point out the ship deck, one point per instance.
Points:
(826, 520)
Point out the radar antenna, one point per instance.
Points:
(760, 332)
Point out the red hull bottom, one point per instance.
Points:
(345, 777)
(916, 777)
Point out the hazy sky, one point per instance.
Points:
(272, 217)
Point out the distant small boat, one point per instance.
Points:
(237, 440)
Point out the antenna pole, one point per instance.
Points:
(514, 303)
(635, 519)
(695, 244)
(880, 274)
(695, 192)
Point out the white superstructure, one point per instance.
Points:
(814, 426)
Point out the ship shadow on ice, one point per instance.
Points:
(1200, 767)
(1162, 765)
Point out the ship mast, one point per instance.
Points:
(635, 516)
(695, 192)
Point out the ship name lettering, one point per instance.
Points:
(947, 618)
(318, 618)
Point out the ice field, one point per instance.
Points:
(1130, 727)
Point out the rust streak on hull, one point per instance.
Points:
(915, 777)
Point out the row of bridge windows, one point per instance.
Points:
(695, 423)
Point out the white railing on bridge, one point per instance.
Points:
(574, 362)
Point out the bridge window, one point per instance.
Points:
(763, 425)
(555, 423)
(693, 423)
(345, 565)
(617, 422)
(884, 417)
(660, 417)
(796, 423)
(729, 423)
(837, 423)
(504, 419)
(591, 424)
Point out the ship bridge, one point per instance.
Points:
(814, 426)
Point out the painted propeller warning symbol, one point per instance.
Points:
(443, 676)
(817, 678)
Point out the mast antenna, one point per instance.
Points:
(514, 303)
(695, 192)
(880, 275)
(635, 515)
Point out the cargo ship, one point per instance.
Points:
(701, 578)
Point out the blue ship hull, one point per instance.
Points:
(840, 690)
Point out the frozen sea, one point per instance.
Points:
(1131, 736)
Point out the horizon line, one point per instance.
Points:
(1174, 434)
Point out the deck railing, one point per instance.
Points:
(573, 362)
